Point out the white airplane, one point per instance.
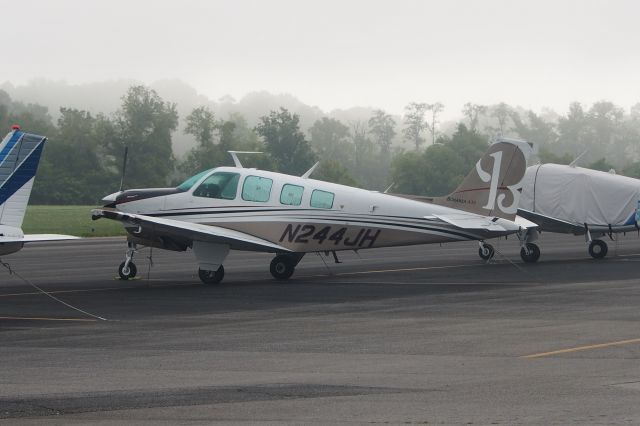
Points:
(19, 157)
(235, 208)
(579, 201)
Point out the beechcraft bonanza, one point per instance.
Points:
(236, 208)
(19, 157)
(579, 201)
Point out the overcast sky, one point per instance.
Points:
(338, 54)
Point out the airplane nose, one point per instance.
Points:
(111, 197)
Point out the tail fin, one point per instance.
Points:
(493, 186)
(19, 157)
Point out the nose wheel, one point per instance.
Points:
(127, 269)
(127, 272)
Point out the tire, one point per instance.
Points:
(533, 253)
(282, 267)
(131, 273)
(598, 249)
(487, 253)
(211, 277)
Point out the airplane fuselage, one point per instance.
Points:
(302, 215)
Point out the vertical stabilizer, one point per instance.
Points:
(493, 186)
(19, 158)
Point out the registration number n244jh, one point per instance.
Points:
(305, 234)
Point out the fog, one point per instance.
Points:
(336, 54)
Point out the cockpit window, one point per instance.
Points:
(187, 184)
(223, 185)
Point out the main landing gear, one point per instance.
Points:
(598, 249)
(283, 265)
(530, 252)
(486, 251)
(211, 277)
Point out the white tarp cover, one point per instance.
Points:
(579, 195)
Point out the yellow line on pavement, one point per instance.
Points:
(48, 319)
(582, 348)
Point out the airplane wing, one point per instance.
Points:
(191, 231)
(477, 222)
(552, 224)
(33, 238)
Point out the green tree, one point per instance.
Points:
(285, 142)
(144, 124)
(414, 123)
(432, 124)
(330, 139)
(441, 167)
(546, 156)
(333, 171)
(502, 114)
(473, 113)
(601, 165)
(382, 128)
(77, 142)
(202, 124)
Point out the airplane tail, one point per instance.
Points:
(19, 157)
(493, 186)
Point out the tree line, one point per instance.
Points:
(83, 160)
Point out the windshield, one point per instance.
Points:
(187, 184)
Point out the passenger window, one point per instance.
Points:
(256, 188)
(321, 199)
(291, 195)
(221, 185)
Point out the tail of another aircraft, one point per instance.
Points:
(19, 157)
(493, 186)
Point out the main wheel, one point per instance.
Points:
(282, 267)
(486, 252)
(598, 249)
(128, 273)
(531, 254)
(211, 277)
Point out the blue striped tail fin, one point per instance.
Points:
(20, 154)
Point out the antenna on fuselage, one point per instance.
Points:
(308, 173)
(124, 167)
(575, 162)
(236, 160)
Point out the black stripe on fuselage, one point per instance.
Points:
(416, 222)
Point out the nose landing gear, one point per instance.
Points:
(127, 269)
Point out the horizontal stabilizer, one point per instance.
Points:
(472, 221)
(191, 231)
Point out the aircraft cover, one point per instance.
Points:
(580, 195)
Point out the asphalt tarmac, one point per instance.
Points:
(412, 335)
